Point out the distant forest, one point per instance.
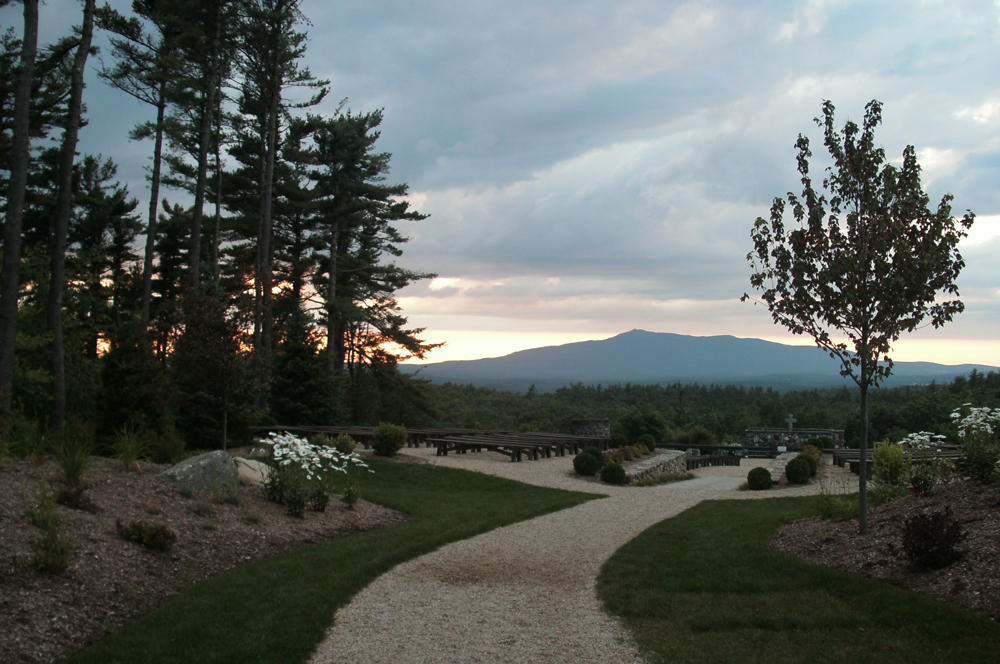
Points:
(708, 413)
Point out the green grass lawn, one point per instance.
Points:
(277, 609)
(702, 587)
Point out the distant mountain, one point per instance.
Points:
(658, 357)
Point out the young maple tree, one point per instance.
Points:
(866, 262)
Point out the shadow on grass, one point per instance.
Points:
(703, 587)
(278, 609)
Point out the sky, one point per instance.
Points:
(591, 167)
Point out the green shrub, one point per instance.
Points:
(150, 534)
(617, 440)
(879, 494)
(345, 444)
(813, 464)
(930, 541)
(319, 498)
(296, 495)
(647, 441)
(821, 442)
(586, 464)
(797, 470)
(388, 439)
(891, 465)
(759, 479)
(980, 453)
(926, 474)
(351, 495)
(613, 473)
(595, 452)
(812, 451)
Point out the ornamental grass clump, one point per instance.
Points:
(129, 446)
(150, 534)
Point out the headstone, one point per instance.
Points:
(205, 472)
(782, 448)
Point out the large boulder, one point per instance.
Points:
(214, 471)
(251, 472)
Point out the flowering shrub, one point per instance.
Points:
(980, 446)
(305, 473)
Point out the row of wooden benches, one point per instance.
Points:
(851, 458)
(695, 462)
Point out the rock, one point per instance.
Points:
(251, 472)
(205, 472)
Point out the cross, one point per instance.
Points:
(791, 420)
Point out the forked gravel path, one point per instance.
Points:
(522, 593)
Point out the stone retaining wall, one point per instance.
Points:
(777, 467)
(671, 462)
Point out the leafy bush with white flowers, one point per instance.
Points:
(977, 428)
(304, 473)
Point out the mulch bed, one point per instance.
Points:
(972, 583)
(110, 583)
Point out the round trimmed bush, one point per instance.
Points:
(388, 439)
(613, 473)
(797, 470)
(586, 464)
(813, 464)
(647, 441)
(759, 479)
(617, 440)
(596, 453)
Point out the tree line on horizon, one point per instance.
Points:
(709, 414)
(264, 289)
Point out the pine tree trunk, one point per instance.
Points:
(154, 204)
(216, 237)
(332, 319)
(19, 160)
(64, 204)
(207, 117)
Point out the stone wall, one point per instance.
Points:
(672, 462)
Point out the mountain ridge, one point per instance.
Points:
(639, 356)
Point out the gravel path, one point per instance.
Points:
(522, 593)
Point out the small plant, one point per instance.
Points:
(74, 458)
(879, 494)
(351, 495)
(295, 499)
(797, 470)
(318, 499)
(345, 444)
(930, 541)
(252, 518)
(43, 515)
(73, 496)
(388, 439)
(208, 526)
(129, 446)
(52, 552)
(231, 499)
(151, 510)
(186, 492)
(203, 510)
(613, 473)
(150, 534)
(586, 464)
(839, 507)
(759, 479)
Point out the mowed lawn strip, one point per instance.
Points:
(278, 609)
(702, 587)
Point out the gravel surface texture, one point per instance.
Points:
(522, 593)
